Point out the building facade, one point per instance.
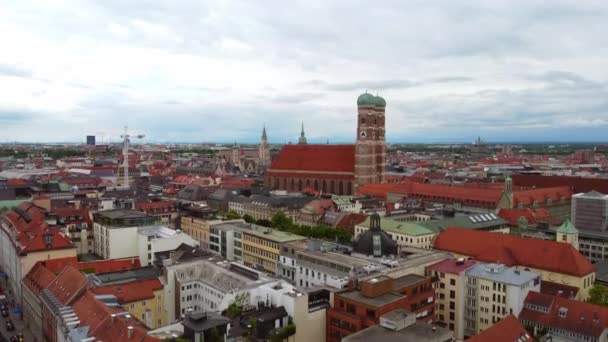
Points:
(370, 149)
(262, 247)
(494, 291)
(336, 169)
(590, 211)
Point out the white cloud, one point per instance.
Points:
(217, 70)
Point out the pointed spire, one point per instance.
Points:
(302, 139)
(264, 137)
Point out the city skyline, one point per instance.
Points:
(218, 71)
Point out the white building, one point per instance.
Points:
(129, 233)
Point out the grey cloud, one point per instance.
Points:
(372, 85)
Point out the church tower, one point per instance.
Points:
(264, 150)
(302, 140)
(506, 198)
(370, 149)
(567, 233)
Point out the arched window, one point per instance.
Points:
(332, 187)
(300, 185)
(293, 185)
(363, 121)
(308, 182)
(340, 188)
(284, 183)
(324, 186)
(316, 185)
(349, 188)
(276, 183)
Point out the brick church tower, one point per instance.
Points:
(370, 149)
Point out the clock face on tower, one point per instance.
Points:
(363, 134)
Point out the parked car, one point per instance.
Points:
(4, 313)
(3, 307)
(10, 326)
(16, 338)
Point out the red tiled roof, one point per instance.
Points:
(508, 329)
(319, 206)
(513, 250)
(16, 183)
(68, 285)
(582, 318)
(533, 216)
(452, 266)
(154, 204)
(29, 229)
(556, 289)
(320, 158)
(576, 184)
(350, 220)
(38, 278)
(97, 316)
(99, 266)
(131, 292)
(527, 197)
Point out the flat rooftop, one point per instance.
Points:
(125, 276)
(407, 281)
(273, 234)
(419, 332)
(373, 302)
(501, 273)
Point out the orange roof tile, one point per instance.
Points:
(133, 291)
(320, 158)
(513, 250)
(507, 329)
(38, 278)
(98, 266)
(580, 317)
(68, 285)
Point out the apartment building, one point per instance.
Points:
(262, 247)
(450, 288)
(494, 291)
(589, 211)
(410, 234)
(197, 228)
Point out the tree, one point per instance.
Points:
(598, 295)
(263, 223)
(248, 218)
(232, 215)
(281, 221)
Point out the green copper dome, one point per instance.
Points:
(367, 99)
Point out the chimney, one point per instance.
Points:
(130, 332)
(113, 317)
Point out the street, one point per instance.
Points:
(16, 318)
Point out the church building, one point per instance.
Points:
(336, 169)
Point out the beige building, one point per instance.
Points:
(407, 234)
(262, 247)
(472, 296)
(197, 228)
(450, 288)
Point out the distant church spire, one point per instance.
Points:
(302, 140)
(264, 137)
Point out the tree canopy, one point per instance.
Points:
(281, 222)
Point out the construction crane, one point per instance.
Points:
(125, 154)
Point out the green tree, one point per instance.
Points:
(281, 221)
(232, 215)
(248, 218)
(598, 295)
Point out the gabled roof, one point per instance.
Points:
(513, 250)
(28, 225)
(99, 266)
(533, 216)
(68, 284)
(131, 292)
(319, 158)
(507, 329)
(578, 317)
(38, 278)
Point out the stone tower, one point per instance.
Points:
(370, 149)
(264, 150)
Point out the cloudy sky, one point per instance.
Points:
(207, 70)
